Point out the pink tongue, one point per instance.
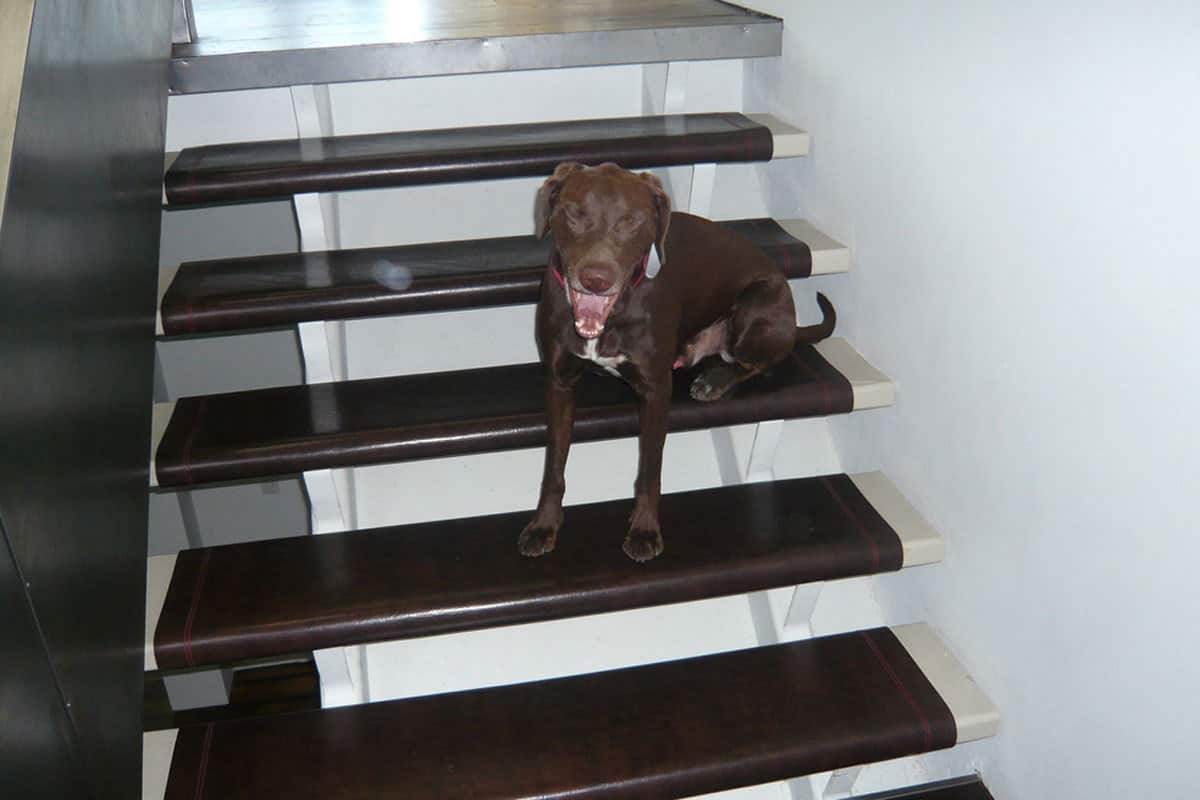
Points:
(591, 312)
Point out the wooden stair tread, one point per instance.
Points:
(246, 44)
(256, 434)
(269, 598)
(671, 729)
(965, 788)
(250, 171)
(284, 289)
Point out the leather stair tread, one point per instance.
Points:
(270, 598)
(267, 432)
(273, 290)
(670, 729)
(252, 171)
(965, 788)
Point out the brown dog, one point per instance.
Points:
(716, 294)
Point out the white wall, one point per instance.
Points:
(1019, 184)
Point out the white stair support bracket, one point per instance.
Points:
(664, 91)
(323, 348)
(834, 785)
(328, 502)
(841, 783)
(760, 465)
(183, 23)
(699, 200)
(797, 621)
(343, 672)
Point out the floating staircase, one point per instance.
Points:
(730, 717)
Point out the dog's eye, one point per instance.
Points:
(574, 215)
(628, 222)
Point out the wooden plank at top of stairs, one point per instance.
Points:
(221, 605)
(256, 434)
(251, 171)
(246, 44)
(672, 729)
(232, 295)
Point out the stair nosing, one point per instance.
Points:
(976, 717)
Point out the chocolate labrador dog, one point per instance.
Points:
(716, 294)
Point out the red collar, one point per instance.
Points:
(558, 276)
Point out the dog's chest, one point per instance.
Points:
(591, 352)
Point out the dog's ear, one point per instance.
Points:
(662, 210)
(547, 196)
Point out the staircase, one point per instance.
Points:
(769, 711)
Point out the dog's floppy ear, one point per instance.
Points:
(662, 209)
(547, 196)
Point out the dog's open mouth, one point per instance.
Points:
(591, 311)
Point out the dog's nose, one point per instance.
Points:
(596, 281)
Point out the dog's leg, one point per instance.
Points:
(644, 540)
(761, 332)
(540, 534)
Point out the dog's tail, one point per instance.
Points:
(811, 334)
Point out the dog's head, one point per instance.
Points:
(604, 221)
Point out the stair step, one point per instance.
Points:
(254, 692)
(965, 788)
(258, 434)
(250, 171)
(671, 729)
(221, 605)
(274, 290)
(246, 44)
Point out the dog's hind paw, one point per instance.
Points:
(536, 541)
(713, 384)
(643, 545)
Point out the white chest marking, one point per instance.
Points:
(591, 353)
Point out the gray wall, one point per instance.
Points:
(78, 257)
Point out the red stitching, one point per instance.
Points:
(201, 405)
(912, 702)
(202, 772)
(858, 522)
(194, 607)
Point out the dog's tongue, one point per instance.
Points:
(591, 312)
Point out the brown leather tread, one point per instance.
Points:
(965, 788)
(256, 434)
(249, 171)
(267, 598)
(255, 692)
(275, 290)
(665, 730)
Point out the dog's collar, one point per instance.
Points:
(556, 269)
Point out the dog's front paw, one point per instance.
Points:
(536, 540)
(643, 544)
